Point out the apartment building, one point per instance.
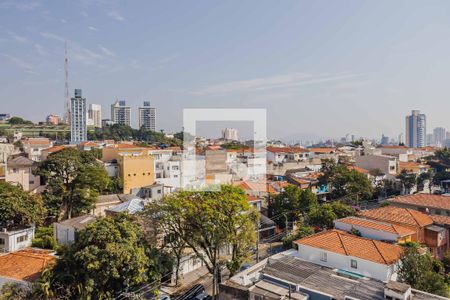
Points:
(121, 113)
(135, 171)
(280, 155)
(147, 117)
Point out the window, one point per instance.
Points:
(159, 191)
(437, 212)
(323, 256)
(22, 238)
(354, 264)
(2, 241)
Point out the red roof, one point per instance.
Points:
(351, 245)
(424, 200)
(377, 225)
(398, 215)
(358, 169)
(286, 150)
(25, 264)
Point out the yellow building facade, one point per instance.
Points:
(136, 171)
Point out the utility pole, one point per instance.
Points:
(257, 241)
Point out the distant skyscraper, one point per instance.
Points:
(230, 134)
(78, 131)
(416, 129)
(147, 116)
(95, 115)
(52, 119)
(439, 136)
(121, 113)
(384, 140)
(401, 139)
(430, 139)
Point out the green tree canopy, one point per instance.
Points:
(408, 180)
(345, 184)
(18, 207)
(292, 203)
(19, 121)
(209, 222)
(74, 180)
(107, 258)
(418, 270)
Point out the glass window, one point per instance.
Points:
(2, 241)
(323, 256)
(354, 264)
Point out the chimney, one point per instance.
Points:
(397, 290)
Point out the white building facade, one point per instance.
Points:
(78, 129)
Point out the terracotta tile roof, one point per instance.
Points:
(351, 245)
(287, 150)
(322, 150)
(358, 169)
(89, 144)
(37, 141)
(395, 147)
(255, 186)
(424, 200)
(252, 198)
(377, 225)
(399, 215)
(25, 264)
(438, 219)
(54, 149)
(411, 166)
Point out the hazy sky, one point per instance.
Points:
(321, 68)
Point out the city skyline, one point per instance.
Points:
(318, 77)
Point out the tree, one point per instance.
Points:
(342, 210)
(210, 222)
(19, 121)
(416, 269)
(292, 203)
(301, 232)
(18, 207)
(322, 216)
(74, 180)
(345, 184)
(408, 181)
(107, 258)
(44, 238)
(426, 176)
(14, 291)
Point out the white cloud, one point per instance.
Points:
(63, 21)
(273, 82)
(92, 28)
(116, 15)
(106, 51)
(25, 66)
(26, 6)
(18, 38)
(52, 36)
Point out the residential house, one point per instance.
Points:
(65, 232)
(33, 147)
(280, 155)
(386, 164)
(20, 172)
(14, 239)
(423, 225)
(131, 206)
(105, 202)
(351, 253)
(46, 152)
(376, 230)
(425, 203)
(287, 276)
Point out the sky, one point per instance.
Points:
(320, 68)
